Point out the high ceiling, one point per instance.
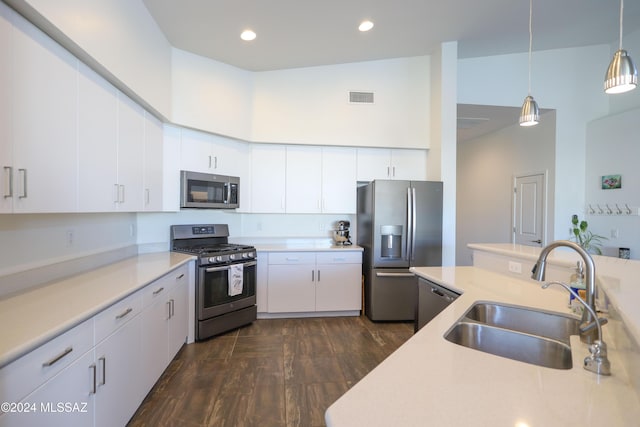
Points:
(300, 33)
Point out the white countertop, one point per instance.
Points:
(430, 381)
(32, 318)
(295, 244)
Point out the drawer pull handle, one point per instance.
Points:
(292, 259)
(180, 276)
(103, 360)
(124, 313)
(156, 292)
(58, 357)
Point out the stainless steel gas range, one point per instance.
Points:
(225, 277)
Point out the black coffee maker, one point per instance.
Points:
(341, 233)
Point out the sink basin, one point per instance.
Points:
(513, 345)
(528, 320)
(526, 334)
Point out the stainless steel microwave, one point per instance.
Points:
(208, 191)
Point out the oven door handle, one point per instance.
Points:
(227, 267)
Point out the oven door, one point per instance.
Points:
(213, 294)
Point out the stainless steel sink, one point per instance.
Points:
(528, 320)
(526, 334)
(513, 345)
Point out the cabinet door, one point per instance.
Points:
(409, 164)
(179, 317)
(291, 288)
(97, 142)
(373, 163)
(195, 151)
(339, 180)
(339, 287)
(171, 168)
(45, 121)
(304, 179)
(154, 337)
(119, 364)
(268, 178)
(153, 163)
(262, 279)
(130, 154)
(73, 385)
(6, 109)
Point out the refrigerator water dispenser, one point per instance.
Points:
(391, 241)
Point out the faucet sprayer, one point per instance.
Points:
(597, 361)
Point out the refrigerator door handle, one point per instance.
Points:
(379, 274)
(408, 243)
(413, 222)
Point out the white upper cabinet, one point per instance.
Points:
(153, 163)
(304, 179)
(339, 180)
(97, 137)
(268, 165)
(401, 164)
(129, 186)
(207, 153)
(6, 118)
(44, 99)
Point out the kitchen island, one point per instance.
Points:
(430, 381)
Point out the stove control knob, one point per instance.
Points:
(232, 256)
(245, 255)
(219, 258)
(212, 259)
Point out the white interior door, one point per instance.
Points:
(528, 213)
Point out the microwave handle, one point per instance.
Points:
(227, 193)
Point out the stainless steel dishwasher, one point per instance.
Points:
(432, 299)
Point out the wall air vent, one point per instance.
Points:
(361, 97)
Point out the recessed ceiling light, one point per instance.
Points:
(365, 26)
(248, 35)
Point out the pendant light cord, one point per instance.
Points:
(621, 14)
(531, 41)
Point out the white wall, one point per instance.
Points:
(311, 105)
(119, 35)
(567, 80)
(486, 168)
(613, 148)
(211, 96)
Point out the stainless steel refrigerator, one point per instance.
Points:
(399, 225)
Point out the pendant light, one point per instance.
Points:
(530, 114)
(622, 75)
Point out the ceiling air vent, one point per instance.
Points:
(361, 97)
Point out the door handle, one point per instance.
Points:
(537, 241)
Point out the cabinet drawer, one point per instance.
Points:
(160, 288)
(117, 315)
(24, 375)
(339, 257)
(292, 258)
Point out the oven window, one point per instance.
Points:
(215, 286)
(205, 191)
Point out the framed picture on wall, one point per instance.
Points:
(610, 182)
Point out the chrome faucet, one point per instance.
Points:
(589, 320)
(597, 360)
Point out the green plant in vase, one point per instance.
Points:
(586, 239)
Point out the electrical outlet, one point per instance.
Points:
(614, 233)
(132, 230)
(70, 237)
(515, 267)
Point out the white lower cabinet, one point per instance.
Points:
(314, 282)
(69, 381)
(164, 322)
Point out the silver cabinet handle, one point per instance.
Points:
(103, 361)
(180, 276)
(168, 304)
(157, 291)
(147, 196)
(58, 357)
(121, 192)
(24, 183)
(318, 275)
(94, 385)
(116, 193)
(124, 313)
(313, 272)
(8, 189)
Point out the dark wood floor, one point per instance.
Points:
(280, 373)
